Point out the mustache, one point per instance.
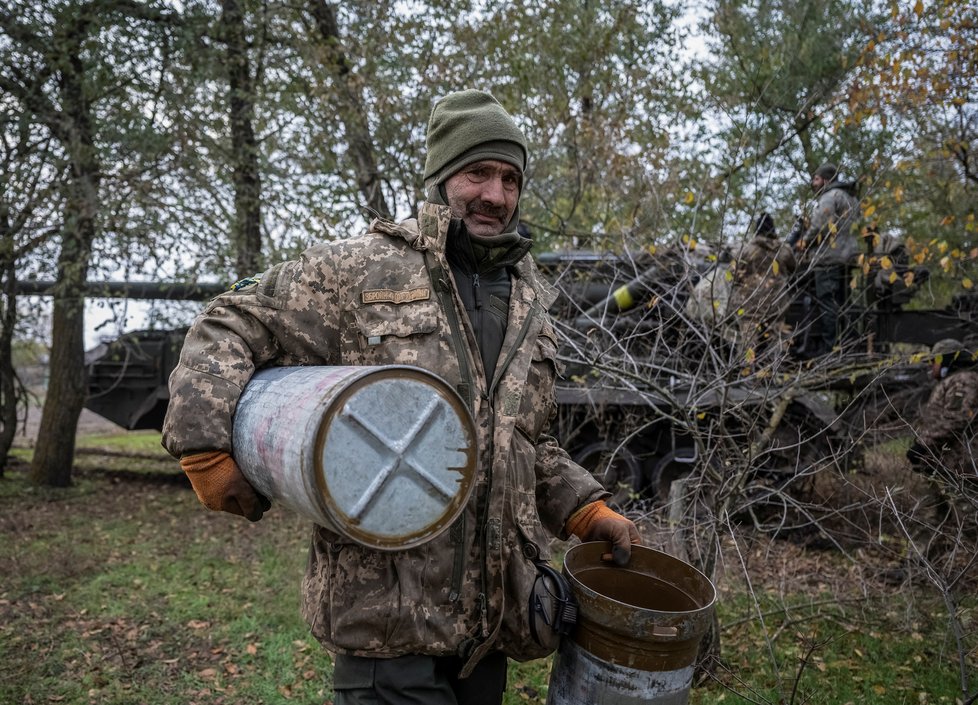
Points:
(491, 211)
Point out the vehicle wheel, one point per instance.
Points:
(616, 467)
(672, 466)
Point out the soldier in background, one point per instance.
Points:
(945, 446)
(761, 275)
(828, 247)
(455, 292)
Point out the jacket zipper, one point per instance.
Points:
(483, 520)
(466, 390)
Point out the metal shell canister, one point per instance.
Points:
(384, 456)
(638, 632)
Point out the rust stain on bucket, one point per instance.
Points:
(638, 630)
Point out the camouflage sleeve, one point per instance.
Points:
(563, 486)
(282, 317)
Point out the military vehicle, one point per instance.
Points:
(643, 386)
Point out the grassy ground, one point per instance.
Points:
(123, 589)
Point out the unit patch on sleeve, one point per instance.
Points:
(247, 281)
(389, 296)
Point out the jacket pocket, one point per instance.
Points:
(538, 399)
(529, 547)
(391, 334)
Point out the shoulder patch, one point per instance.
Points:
(247, 281)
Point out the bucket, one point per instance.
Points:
(638, 631)
(384, 456)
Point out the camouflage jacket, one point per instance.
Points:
(947, 427)
(466, 591)
(759, 297)
(761, 272)
(830, 238)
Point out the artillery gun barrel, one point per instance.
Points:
(620, 299)
(168, 291)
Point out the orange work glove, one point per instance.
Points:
(220, 486)
(597, 522)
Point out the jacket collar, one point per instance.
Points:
(429, 233)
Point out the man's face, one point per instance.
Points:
(818, 183)
(484, 195)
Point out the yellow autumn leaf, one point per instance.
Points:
(918, 8)
(869, 211)
(833, 228)
(701, 415)
(651, 249)
(886, 262)
(945, 264)
(908, 279)
(728, 275)
(740, 312)
(967, 283)
(893, 277)
(689, 197)
(749, 355)
(775, 267)
(974, 253)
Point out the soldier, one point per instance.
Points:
(432, 624)
(761, 272)
(829, 247)
(945, 445)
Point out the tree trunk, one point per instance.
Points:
(8, 316)
(55, 448)
(246, 231)
(351, 110)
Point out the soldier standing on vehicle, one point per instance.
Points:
(761, 273)
(946, 445)
(829, 247)
(455, 292)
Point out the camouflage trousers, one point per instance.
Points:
(417, 680)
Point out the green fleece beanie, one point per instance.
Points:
(466, 127)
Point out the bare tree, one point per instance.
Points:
(246, 177)
(53, 78)
(352, 108)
